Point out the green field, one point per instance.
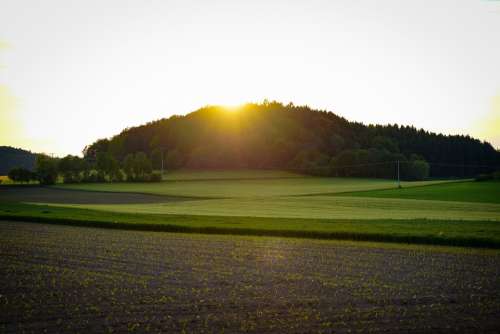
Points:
(241, 174)
(238, 188)
(296, 197)
(423, 231)
(322, 207)
(277, 203)
(483, 192)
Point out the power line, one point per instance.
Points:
(366, 164)
(460, 165)
(409, 162)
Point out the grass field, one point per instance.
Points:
(274, 203)
(322, 207)
(246, 255)
(240, 174)
(484, 192)
(238, 188)
(423, 231)
(293, 198)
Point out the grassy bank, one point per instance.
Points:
(431, 232)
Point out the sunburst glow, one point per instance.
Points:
(369, 62)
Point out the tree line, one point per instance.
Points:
(271, 135)
(135, 167)
(11, 157)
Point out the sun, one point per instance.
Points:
(232, 107)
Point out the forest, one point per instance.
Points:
(11, 157)
(271, 135)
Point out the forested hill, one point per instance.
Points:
(273, 135)
(11, 157)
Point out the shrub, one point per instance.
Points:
(70, 178)
(488, 177)
(117, 176)
(90, 177)
(21, 175)
(483, 177)
(100, 177)
(418, 170)
(155, 177)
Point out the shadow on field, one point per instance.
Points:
(65, 196)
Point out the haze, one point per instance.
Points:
(76, 71)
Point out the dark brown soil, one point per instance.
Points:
(65, 196)
(70, 279)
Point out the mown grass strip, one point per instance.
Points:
(425, 232)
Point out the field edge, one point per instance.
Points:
(428, 240)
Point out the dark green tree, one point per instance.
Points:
(128, 167)
(173, 159)
(385, 143)
(157, 158)
(271, 135)
(21, 175)
(137, 167)
(142, 166)
(108, 166)
(417, 170)
(46, 169)
(72, 169)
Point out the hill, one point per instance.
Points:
(271, 135)
(11, 157)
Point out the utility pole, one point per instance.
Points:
(162, 162)
(161, 150)
(399, 181)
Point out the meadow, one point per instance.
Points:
(318, 207)
(247, 185)
(479, 192)
(270, 203)
(416, 231)
(251, 252)
(305, 197)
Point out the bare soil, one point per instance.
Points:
(73, 279)
(66, 196)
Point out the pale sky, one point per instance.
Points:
(75, 71)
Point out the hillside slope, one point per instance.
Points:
(276, 136)
(11, 157)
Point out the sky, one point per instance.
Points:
(75, 71)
